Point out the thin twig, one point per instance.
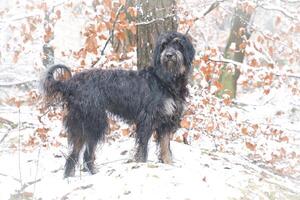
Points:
(110, 37)
(155, 20)
(211, 8)
(285, 1)
(2, 139)
(31, 14)
(270, 8)
(224, 60)
(17, 83)
(28, 184)
(19, 146)
(6, 121)
(5, 175)
(36, 173)
(83, 187)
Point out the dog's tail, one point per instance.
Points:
(54, 84)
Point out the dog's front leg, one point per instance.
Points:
(143, 133)
(164, 145)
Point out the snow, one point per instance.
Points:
(195, 173)
(217, 165)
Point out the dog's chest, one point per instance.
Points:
(172, 107)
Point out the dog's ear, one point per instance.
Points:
(189, 51)
(157, 50)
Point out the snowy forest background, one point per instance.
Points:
(240, 134)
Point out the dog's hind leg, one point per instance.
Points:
(95, 131)
(76, 139)
(77, 144)
(89, 156)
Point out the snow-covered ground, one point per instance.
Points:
(196, 173)
(217, 165)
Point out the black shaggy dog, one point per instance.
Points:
(151, 98)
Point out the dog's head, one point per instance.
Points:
(173, 55)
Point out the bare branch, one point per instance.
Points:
(278, 9)
(3, 138)
(83, 187)
(224, 60)
(6, 121)
(113, 29)
(155, 20)
(212, 7)
(295, 1)
(20, 18)
(111, 37)
(296, 76)
(17, 83)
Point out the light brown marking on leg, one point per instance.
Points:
(165, 152)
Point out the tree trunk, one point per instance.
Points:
(154, 17)
(239, 34)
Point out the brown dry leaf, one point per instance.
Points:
(178, 139)
(185, 123)
(213, 52)
(242, 31)
(120, 36)
(43, 6)
(255, 127)
(260, 39)
(210, 127)
(132, 11)
(82, 63)
(284, 139)
(16, 56)
(91, 44)
(43, 133)
(243, 45)
(48, 34)
(218, 85)
(244, 131)
(31, 141)
(251, 146)
(277, 21)
(132, 28)
(266, 91)
(27, 37)
(125, 132)
(184, 137)
(227, 102)
(58, 14)
(196, 136)
(101, 27)
(122, 17)
(122, 2)
(107, 3)
(253, 63)
(271, 51)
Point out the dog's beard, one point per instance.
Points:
(173, 64)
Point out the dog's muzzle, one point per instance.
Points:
(169, 57)
(173, 60)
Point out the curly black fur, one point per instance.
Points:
(151, 98)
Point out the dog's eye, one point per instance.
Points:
(177, 40)
(163, 45)
(179, 46)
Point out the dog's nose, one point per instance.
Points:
(169, 55)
